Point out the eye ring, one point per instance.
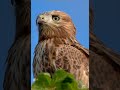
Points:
(55, 18)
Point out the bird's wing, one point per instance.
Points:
(81, 48)
(74, 60)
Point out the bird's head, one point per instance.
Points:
(55, 24)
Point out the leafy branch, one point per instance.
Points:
(60, 80)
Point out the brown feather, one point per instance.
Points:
(58, 48)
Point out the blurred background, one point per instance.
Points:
(7, 34)
(107, 22)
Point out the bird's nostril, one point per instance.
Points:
(41, 17)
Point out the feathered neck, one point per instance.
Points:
(58, 41)
(56, 32)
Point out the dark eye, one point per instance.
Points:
(55, 18)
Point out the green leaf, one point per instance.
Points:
(60, 80)
(64, 81)
(59, 75)
(43, 80)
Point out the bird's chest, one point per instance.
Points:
(47, 51)
(45, 56)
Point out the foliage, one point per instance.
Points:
(60, 80)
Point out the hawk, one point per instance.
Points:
(58, 48)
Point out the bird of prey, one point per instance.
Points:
(17, 74)
(58, 48)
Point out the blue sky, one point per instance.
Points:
(77, 9)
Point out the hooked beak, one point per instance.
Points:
(40, 20)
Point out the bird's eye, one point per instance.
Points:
(55, 18)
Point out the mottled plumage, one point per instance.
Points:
(58, 47)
